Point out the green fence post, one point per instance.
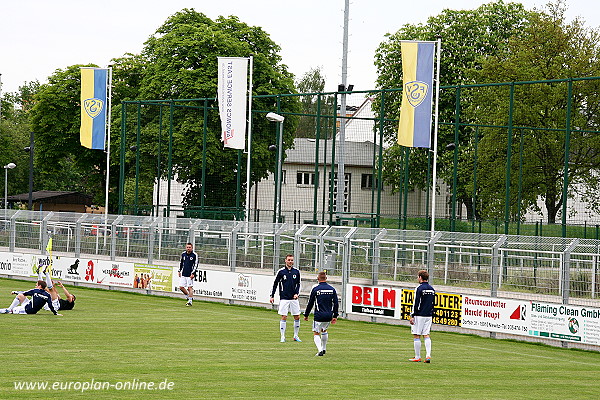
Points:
(567, 150)
(519, 192)
(137, 156)
(332, 173)
(474, 205)
(204, 130)
(508, 158)
(380, 166)
(122, 157)
(318, 139)
(455, 160)
(170, 158)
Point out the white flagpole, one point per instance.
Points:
(107, 141)
(435, 134)
(247, 219)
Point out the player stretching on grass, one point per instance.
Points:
(324, 297)
(421, 316)
(57, 302)
(187, 270)
(22, 305)
(288, 280)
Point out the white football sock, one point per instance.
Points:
(428, 346)
(49, 281)
(324, 338)
(14, 303)
(282, 327)
(317, 339)
(417, 344)
(296, 327)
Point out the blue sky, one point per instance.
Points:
(39, 36)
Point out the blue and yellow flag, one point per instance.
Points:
(93, 108)
(414, 129)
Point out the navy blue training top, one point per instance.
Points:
(39, 297)
(188, 264)
(424, 300)
(324, 297)
(288, 281)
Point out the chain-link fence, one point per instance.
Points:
(508, 161)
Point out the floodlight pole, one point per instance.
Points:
(279, 169)
(341, 175)
(30, 150)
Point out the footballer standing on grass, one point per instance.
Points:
(288, 281)
(187, 270)
(325, 300)
(422, 316)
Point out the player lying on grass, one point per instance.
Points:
(22, 305)
(59, 304)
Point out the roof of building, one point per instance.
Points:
(52, 196)
(360, 154)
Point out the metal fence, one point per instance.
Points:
(561, 269)
(502, 167)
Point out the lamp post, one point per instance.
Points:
(278, 173)
(6, 168)
(29, 149)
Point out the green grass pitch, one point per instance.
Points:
(217, 351)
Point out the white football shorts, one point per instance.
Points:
(55, 304)
(21, 308)
(186, 282)
(291, 306)
(422, 325)
(320, 326)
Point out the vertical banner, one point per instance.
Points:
(232, 90)
(93, 108)
(414, 129)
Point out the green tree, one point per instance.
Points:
(549, 48)
(14, 136)
(466, 35)
(61, 163)
(311, 83)
(180, 61)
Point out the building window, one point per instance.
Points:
(368, 183)
(305, 178)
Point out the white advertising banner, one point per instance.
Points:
(72, 269)
(114, 273)
(376, 301)
(565, 322)
(232, 97)
(15, 264)
(495, 315)
(532, 318)
(229, 285)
